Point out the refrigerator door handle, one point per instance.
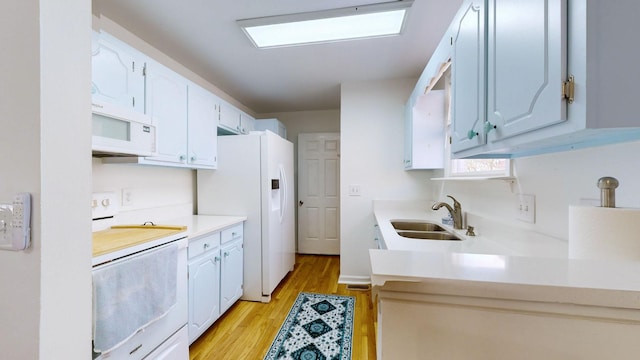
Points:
(283, 193)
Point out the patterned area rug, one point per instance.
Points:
(318, 327)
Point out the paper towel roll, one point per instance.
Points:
(604, 233)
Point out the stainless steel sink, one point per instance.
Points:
(422, 230)
(416, 226)
(429, 235)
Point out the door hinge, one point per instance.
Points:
(144, 70)
(568, 89)
(133, 66)
(133, 101)
(449, 140)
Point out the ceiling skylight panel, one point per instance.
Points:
(367, 21)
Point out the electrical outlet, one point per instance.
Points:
(354, 190)
(127, 197)
(526, 209)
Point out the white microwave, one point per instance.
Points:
(118, 131)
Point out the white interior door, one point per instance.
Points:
(319, 193)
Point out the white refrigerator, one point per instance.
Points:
(254, 178)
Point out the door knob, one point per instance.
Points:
(301, 202)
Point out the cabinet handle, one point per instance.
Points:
(488, 126)
(182, 157)
(471, 134)
(192, 159)
(206, 246)
(216, 259)
(226, 254)
(233, 234)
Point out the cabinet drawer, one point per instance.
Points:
(231, 233)
(204, 243)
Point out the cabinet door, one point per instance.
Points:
(526, 65)
(231, 274)
(229, 118)
(167, 105)
(408, 134)
(427, 133)
(468, 78)
(202, 129)
(204, 293)
(117, 73)
(247, 123)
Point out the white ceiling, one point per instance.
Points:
(203, 36)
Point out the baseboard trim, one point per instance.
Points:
(354, 280)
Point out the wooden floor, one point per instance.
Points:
(248, 328)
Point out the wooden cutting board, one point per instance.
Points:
(124, 236)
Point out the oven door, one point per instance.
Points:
(162, 325)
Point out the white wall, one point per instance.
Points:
(157, 193)
(372, 137)
(45, 146)
(298, 122)
(557, 181)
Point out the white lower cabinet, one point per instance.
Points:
(204, 283)
(231, 282)
(215, 277)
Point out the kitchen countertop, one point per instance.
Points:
(513, 265)
(122, 240)
(506, 241)
(198, 225)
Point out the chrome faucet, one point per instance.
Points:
(456, 211)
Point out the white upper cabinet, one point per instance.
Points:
(229, 118)
(546, 76)
(247, 123)
(273, 125)
(526, 61)
(425, 132)
(117, 73)
(202, 128)
(233, 121)
(427, 111)
(467, 76)
(167, 105)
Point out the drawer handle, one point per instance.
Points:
(233, 234)
(216, 259)
(206, 246)
(135, 349)
(226, 254)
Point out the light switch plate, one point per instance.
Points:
(127, 197)
(526, 208)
